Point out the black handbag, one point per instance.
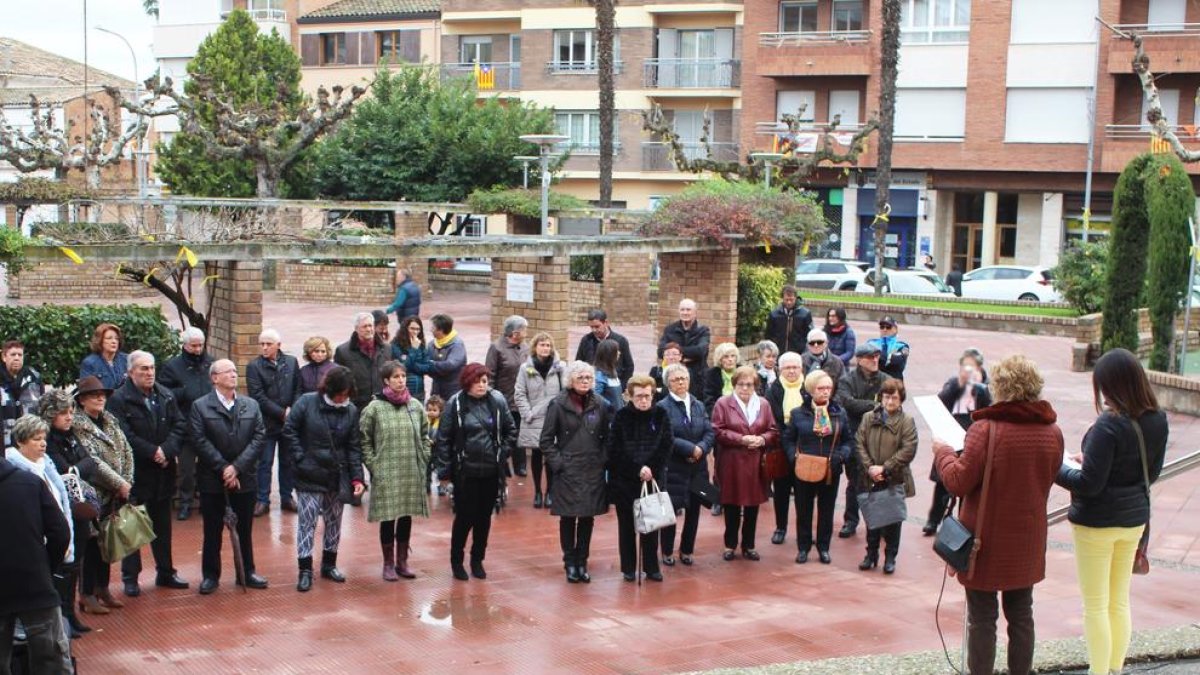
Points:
(705, 490)
(956, 544)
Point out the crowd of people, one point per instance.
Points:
(812, 405)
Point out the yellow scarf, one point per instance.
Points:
(792, 397)
(446, 339)
(726, 382)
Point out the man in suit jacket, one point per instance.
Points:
(273, 381)
(186, 376)
(229, 434)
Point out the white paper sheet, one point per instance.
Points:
(941, 422)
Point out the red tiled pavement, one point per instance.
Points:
(526, 618)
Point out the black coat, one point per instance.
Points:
(789, 329)
(365, 369)
(475, 436)
(686, 435)
(187, 377)
(798, 436)
(858, 393)
(694, 342)
(574, 443)
(225, 437)
(324, 442)
(34, 532)
(952, 391)
(65, 450)
(149, 427)
(1110, 489)
(587, 352)
(714, 386)
(275, 386)
(638, 438)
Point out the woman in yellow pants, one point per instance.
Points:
(1110, 501)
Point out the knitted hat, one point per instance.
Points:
(54, 402)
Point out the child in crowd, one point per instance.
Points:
(434, 406)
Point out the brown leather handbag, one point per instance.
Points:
(817, 468)
(774, 464)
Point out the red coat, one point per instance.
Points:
(738, 472)
(1028, 453)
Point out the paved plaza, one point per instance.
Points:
(525, 618)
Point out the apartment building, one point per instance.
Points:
(993, 118)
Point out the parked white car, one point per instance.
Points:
(906, 282)
(1010, 282)
(830, 274)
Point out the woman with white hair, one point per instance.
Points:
(818, 356)
(573, 441)
(718, 381)
(693, 440)
(785, 395)
(768, 365)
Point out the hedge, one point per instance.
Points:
(57, 337)
(1170, 203)
(759, 288)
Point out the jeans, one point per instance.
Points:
(826, 498)
(982, 611)
(1104, 561)
(474, 499)
(49, 651)
(160, 516)
(691, 523)
(266, 461)
(747, 517)
(212, 510)
(311, 505)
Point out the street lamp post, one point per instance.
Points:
(525, 160)
(139, 168)
(767, 158)
(544, 143)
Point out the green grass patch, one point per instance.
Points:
(953, 305)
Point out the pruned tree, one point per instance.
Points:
(47, 146)
(605, 30)
(889, 68)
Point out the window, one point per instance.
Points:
(574, 50)
(1166, 15)
(797, 17)
(1169, 100)
(475, 49)
(931, 113)
(333, 48)
(933, 21)
(847, 15)
(400, 45)
(801, 104)
(1026, 121)
(832, 268)
(808, 268)
(844, 102)
(1007, 247)
(1058, 22)
(583, 128)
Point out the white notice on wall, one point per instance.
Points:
(520, 287)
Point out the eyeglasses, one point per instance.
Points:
(681, 378)
(814, 343)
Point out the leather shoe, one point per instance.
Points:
(584, 577)
(801, 557)
(253, 580)
(668, 560)
(477, 570)
(728, 554)
(778, 536)
(654, 576)
(131, 588)
(208, 586)
(930, 529)
(333, 574)
(572, 574)
(548, 502)
(751, 554)
(537, 500)
(824, 556)
(459, 572)
(289, 505)
(172, 581)
(716, 510)
(304, 582)
(629, 576)
(185, 512)
(261, 509)
(889, 565)
(847, 531)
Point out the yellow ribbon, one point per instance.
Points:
(71, 254)
(185, 252)
(767, 246)
(117, 274)
(211, 277)
(146, 279)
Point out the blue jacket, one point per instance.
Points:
(445, 365)
(893, 355)
(609, 389)
(841, 344)
(687, 434)
(798, 435)
(407, 301)
(112, 376)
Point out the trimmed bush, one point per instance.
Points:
(520, 202)
(1081, 275)
(1170, 201)
(759, 288)
(1127, 258)
(57, 337)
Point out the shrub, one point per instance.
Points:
(12, 249)
(587, 268)
(519, 202)
(1170, 202)
(1081, 275)
(715, 209)
(759, 288)
(1127, 258)
(56, 337)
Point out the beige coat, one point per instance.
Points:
(891, 444)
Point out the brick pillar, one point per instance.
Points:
(237, 312)
(413, 226)
(626, 291)
(550, 310)
(709, 278)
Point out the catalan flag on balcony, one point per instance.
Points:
(485, 77)
(1159, 145)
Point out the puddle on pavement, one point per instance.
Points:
(469, 612)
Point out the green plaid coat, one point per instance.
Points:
(395, 446)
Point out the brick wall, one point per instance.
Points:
(709, 278)
(550, 310)
(335, 284)
(236, 312)
(585, 295)
(68, 281)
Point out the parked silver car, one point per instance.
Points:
(830, 274)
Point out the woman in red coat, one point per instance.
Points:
(1028, 450)
(745, 428)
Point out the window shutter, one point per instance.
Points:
(352, 49)
(722, 126)
(410, 45)
(310, 50)
(723, 39)
(369, 48)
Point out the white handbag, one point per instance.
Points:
(652, 511)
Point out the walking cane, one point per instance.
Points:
(638, 551)
(235, 544)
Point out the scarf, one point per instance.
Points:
(579, 400)
(836, 330)
(793, 397)
(542, 366)
(965, 404)
(822, 425)
(332, 404)
(397, 397)
(367, 348)
(446, 339)
(750, 410)
(726, 382)
(43, 468)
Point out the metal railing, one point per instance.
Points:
(590, 148)
(656, 156)
(1144, 131)
(1158, 29)
(692, 73)
(773, 128)
(276, 15)
(497, 76)
(1171, 469)
(819, 37)
(579, 67)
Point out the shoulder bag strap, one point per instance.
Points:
(1137, 429)
(987, 479)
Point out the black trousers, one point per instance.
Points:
(941, 500)
(187, 473)
(160, 516)
(536, 465)
(212, 510)
(518, 453)
(575, 537)
(628, 540)
(95, 573)
(982, 611)
(782, 498)
(850, 517)
(825, 496)
(393, 531)
(691, 524)
(890, 534)
(747, 517)
(474, 499)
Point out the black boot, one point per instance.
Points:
(870, 561)
(889, 563)
(477, 570)
(456, 566)
(68, 584)
(304, 583)
(329, 568)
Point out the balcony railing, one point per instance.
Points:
(273, 15)
(806, 138)
(1144, 132)
(499, 76)
(579, 67)
(656, 156)
(1158, 29)
(806, 38)
(587, 148)
(692, 73)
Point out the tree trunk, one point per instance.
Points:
(889, 65)
(268, 181)
(605, 20)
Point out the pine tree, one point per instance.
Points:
(1170, 202)
(1127, 258)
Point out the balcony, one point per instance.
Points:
(498, 76)
(692, 73)
(656, 156)
(1171, 48)
(805, 138)
(579, 67)
(1123, 142)
(814, 53)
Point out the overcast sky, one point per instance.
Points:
(58, 26)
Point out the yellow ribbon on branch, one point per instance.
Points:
(883, 217)
(185, 252)
(71, 254)
(146, 279)
(211, 277)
